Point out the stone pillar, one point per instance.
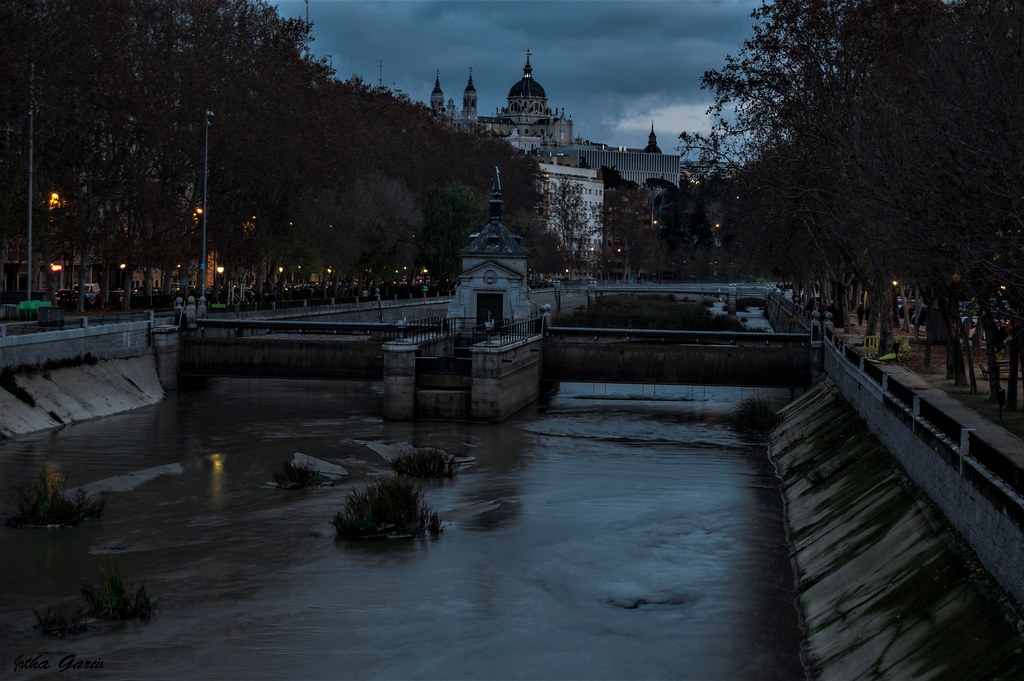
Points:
(730, 301)
(399, 381)
(165, 348)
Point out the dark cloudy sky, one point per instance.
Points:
(613, 66)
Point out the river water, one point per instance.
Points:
(612, 533)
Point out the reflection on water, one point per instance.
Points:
(612, 533)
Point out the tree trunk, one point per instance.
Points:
(1014, 348)
(968, 359)
(988, 326)
(884, 304)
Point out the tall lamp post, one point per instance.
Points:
(31, 113)
(206, 159)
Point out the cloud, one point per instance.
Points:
(669, 120)
(612, 65)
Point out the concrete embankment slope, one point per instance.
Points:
(886, 589)
(78, 393)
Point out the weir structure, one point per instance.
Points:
(495, 350)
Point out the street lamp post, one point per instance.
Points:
(206, 158)
(31, 114)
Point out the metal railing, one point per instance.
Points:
(411, 330)
(497, 331)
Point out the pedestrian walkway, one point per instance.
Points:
(929, 381)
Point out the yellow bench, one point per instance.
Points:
(870, 346)
(903, 347)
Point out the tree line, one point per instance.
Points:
(308, 176)
(874, 150)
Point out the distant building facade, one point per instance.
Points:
(634, 165)
(526, 121)
(556, 169)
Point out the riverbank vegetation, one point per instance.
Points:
(360, 183)
(46, 501)
(649, 312)
(755, 414)
(428, 462)
(830, 118)
(9, 382)
(389, 507)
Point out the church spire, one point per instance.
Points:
(652, 142)
(437, 95)
(469, 100)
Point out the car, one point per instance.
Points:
(116, 298)
(92, 295)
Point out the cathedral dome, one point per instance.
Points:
(527, 86)
(652, 142)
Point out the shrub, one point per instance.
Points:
(298, 475)
(756, 414)
(44, 501)
(425, 463)
(114, 598)
(390, 506)
(58, 623)
(9, 383)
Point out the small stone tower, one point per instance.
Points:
(493, 285)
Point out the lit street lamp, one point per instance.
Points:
(206, 158)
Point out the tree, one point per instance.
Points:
(452, 213)
(572, 220)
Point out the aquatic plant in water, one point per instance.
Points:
(298, 475)
(116, 599)
(428, 462)
(755, 414)
(45, 501)
(59, 623)
(391, 506)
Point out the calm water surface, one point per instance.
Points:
(613, 533)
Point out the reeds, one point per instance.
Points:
(115, 598)
(391, 506)
(428, 462)
(45, 501)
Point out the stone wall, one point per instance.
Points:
(63, 396)
(980, 505)
(883, 592)
(506, 378)
(106, 341)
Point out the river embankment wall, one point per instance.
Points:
(42, 399)
(972, 470)
(886, 590)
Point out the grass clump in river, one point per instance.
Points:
(56, 622)
(296, 475)
(429, 462)
(46, 501)
(391, 506)
(115, 598)
(650, 312)
(756, 414)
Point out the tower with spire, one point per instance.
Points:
(652, 142)
(493, 285)
(526, 120)
(437, 96)
(469, 101)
